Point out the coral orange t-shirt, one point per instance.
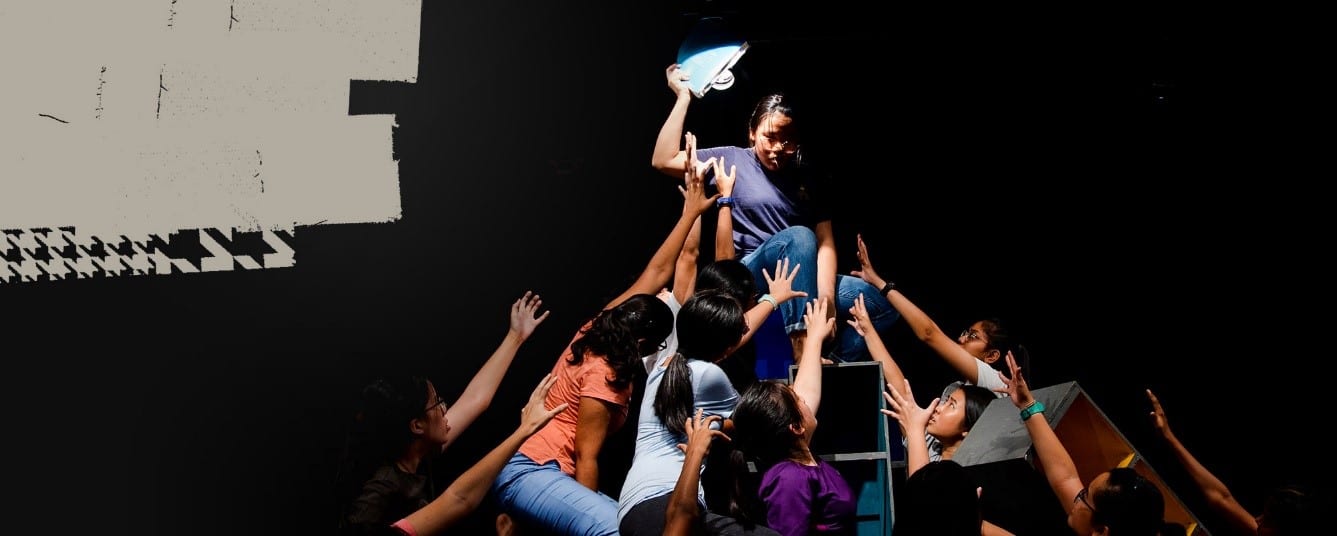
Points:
(589, 378)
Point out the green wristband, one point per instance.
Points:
(1035, 407)
(771, 299)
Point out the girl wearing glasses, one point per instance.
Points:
(974, 353)
(774, 207)
(404, 422)
(917, 424)
(1118, 502)
(950, 417)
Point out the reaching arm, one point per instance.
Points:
(467, 491)
(724, 220)
(1058, 466)
(724, 233)
(924, 327)
(684, 272)
(863, 325)
(684, 277)
(477, 395)
(667, 158)
(591, 429)
(781, 287)
(826, 262)
(664, 261)
(808, 380)
(913, 421)
(682, 507)
(1217, 494)
(755, 317)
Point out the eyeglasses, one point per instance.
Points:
(971, 334)
(1081, 496)
(439, 402)
(781, 144)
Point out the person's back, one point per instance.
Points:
(657, 463)
(709, 325)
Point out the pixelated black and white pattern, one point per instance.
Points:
(33, 255)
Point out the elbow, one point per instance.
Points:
(666, 164)
(1219, 499)
(660, 274)
(466, 501)
(929, 333)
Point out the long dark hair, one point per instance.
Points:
(777, 103)
(729, 275)
(1129, 505)
(387, 407)
(999, 338)
(761, 438)
(774, 103)
(708, 325)
(379, 432)
(1293, 508)
(624, 333)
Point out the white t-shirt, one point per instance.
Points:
(987, 378)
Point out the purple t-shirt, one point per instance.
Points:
(802, 500)
(767, 202)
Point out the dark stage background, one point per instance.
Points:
(1115, 184)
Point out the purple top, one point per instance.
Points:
(767, 202)
(807, 500)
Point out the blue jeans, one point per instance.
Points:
(850, 346)
(544, 496)
(799, 244)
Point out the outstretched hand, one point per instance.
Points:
(695, 201)
(1015, 386)
(523, 318)
(820, 325)
(866, 271)
(781, 287)
(533, 417)
(860, 321)
(699, 434)
(724, 181)
(905, 411)
(1158, 416)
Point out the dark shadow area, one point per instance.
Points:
(1127, 189)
